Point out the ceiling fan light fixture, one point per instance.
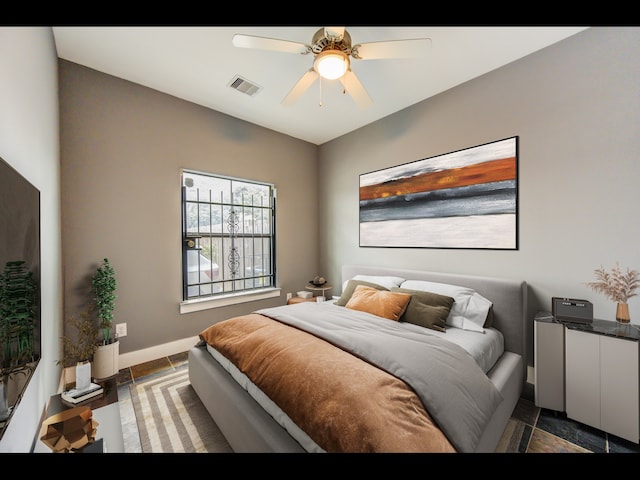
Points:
(331, 64)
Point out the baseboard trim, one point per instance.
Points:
(153, 353)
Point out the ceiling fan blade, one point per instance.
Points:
(334, 33)
(391, 49)
(271, 44)
(354, 87)
(300, 87)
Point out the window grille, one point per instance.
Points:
(228, 235)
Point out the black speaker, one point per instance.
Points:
(572, 310)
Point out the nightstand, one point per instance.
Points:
(548, 344)
(591, 371)
(602, 378)
(319, 288)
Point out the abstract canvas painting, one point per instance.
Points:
(463, 199)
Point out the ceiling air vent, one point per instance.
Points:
(245, 86)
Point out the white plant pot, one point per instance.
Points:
(83, 375)
(105, 361)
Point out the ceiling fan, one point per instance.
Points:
(332, 50)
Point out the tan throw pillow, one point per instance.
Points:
(426, 309)
(382, 303)
(351, 286)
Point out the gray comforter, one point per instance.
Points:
(453, 388)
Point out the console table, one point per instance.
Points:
(591, 371)
(105, 410)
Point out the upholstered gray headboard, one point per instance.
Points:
(509, 297)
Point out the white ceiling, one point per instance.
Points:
(198, 63)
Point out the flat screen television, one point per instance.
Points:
(20, 317)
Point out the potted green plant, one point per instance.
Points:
(79, 346)
(105, 359)
(104, 289)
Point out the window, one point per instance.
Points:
(228, 233)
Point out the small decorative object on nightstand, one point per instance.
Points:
(618, 287)
(622, 313)
(319, 284)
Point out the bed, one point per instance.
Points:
(467, 413)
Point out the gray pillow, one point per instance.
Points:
(351, 286)
(426, 309)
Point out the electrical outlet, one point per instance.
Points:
(121, 329)
(288, 296)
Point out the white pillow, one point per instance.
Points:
(477, 311)
(470, 309)
(387, 282)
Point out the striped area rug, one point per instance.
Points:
(172, 419)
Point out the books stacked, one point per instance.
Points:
(76, 395)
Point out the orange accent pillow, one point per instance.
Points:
(389, 305)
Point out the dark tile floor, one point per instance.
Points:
(534, 430)
(547, 431)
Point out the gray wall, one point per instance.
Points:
(575, 106)
(576, 109)
(29, 143)
(122, 148)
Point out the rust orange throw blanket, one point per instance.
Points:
(343, 403)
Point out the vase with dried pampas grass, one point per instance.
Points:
(618, 286)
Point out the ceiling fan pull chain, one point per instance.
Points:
(320, 89)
